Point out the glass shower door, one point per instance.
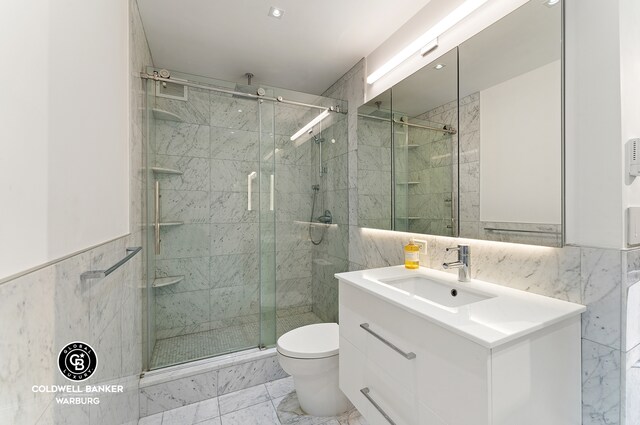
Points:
(267, 230)
(211, 281)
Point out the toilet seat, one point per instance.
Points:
(310, 342)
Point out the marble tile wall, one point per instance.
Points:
(339, 193)
(52, 307)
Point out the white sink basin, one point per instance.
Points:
(486, 313)
(431, 291)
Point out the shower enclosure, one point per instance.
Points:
(231, 264)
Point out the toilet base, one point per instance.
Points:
(316, 384)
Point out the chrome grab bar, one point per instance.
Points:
(98, 274)
(156, 223)
(365, 392)
(408, 356)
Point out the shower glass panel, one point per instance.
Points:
(232, 268)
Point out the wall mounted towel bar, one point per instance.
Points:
(98, 274)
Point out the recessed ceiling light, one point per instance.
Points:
(550, 3)
(274, 12)
(440, 66)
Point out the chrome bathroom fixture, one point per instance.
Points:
(326, 218)
(463, 264)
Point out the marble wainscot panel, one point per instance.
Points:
(51, 307)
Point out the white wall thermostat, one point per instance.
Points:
(633, 157)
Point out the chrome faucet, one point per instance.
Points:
(463, 264)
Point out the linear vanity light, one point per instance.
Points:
(311, 123)
(429, 40)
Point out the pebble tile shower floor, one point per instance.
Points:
(200, 345)
(273, 403)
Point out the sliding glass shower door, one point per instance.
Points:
(211, 209)
(247, 219)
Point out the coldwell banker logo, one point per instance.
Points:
(77, 361)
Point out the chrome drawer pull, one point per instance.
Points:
(408, 356)
(365, 392)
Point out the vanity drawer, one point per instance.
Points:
(359, 376)
(448, 371)
(372, 339)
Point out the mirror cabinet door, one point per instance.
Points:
(374, 163)
(471, 144)
(511, 129)
(425, 145)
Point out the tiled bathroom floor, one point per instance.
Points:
(199, 345)
(273, 403)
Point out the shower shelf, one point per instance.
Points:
(166, 115)
(160, 170)
(409, 218)
(159, 282)
(401, 183)
(411, 146)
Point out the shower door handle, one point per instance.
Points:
(156, 222)
(271, 192)
(250, 177)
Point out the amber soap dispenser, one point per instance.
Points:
(411, 255)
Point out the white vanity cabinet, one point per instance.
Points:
(414, 370)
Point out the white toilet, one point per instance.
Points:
(310, 355)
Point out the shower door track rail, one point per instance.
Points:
(278, 99)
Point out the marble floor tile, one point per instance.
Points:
(180, 416)
(260, 414)
(290, 412)
(243, 398)
(207, 409)
(280, 388)
(258, 405)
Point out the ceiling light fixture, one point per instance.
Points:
(274, 12)
(461, 12)
(311, 123)
(550, 3)
(439, 66)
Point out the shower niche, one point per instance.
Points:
(249, 222)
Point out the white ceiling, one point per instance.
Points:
(308, 49)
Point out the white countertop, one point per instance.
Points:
(509, 315)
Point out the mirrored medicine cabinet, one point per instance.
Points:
(471, 145)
